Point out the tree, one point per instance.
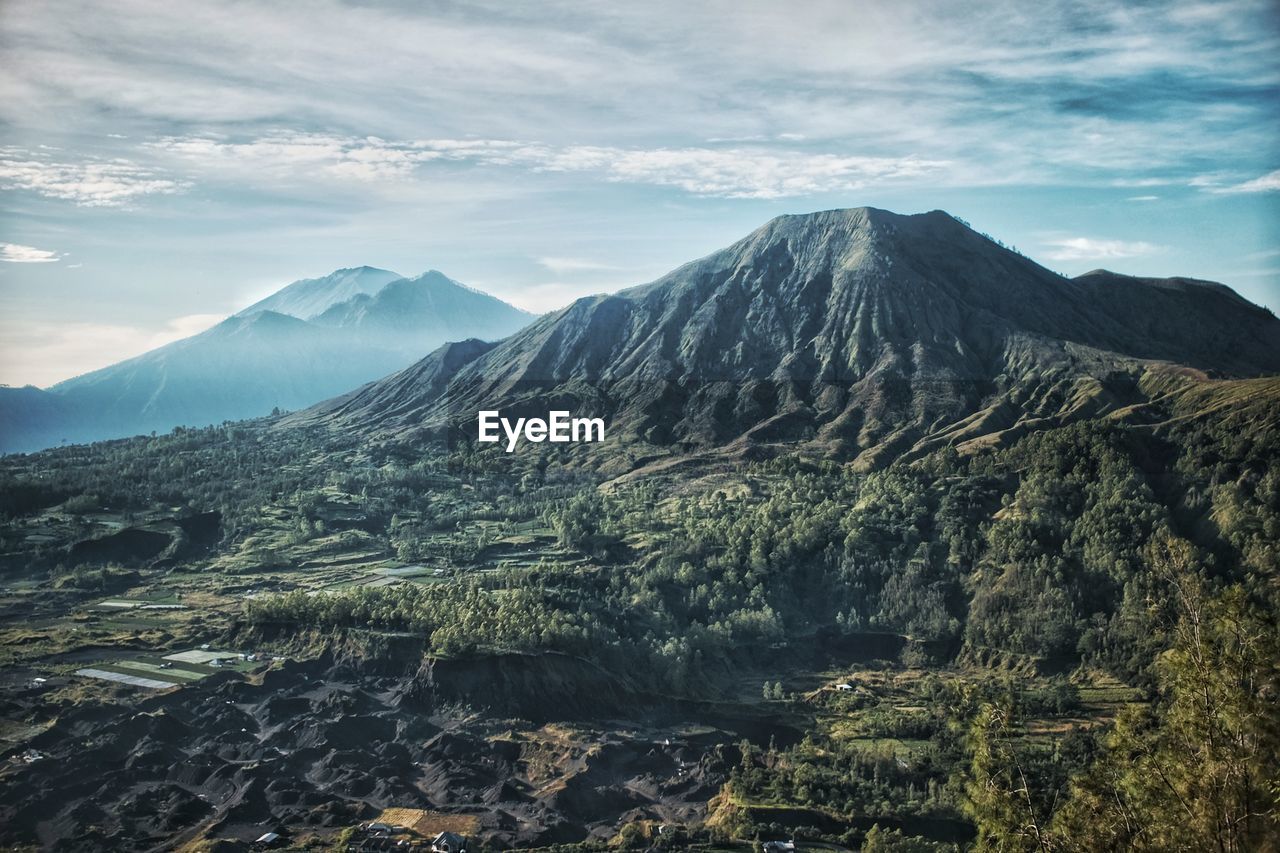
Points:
(894, 841)
(997, 791)
(1201, 770)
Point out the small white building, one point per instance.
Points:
(448, 842)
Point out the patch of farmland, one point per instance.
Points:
(201, 656)
(162, 671)
(403, 571)
(124, 678)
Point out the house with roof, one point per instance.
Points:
(448, 842)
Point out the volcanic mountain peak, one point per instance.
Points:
(838, 248)
(439, 279)
(864, 328)
(430, 305)
(310, 297)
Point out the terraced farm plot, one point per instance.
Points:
(404, 571)
(137, 605)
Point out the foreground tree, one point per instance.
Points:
(998, 792)
(1198, 770)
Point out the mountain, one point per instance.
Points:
(243, 367)
(256, 361)
(431, 306)
(309, 297)
(866, 333)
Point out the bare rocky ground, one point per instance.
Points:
(528, 744)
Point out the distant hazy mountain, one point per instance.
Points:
(864, 332)
(429, 307)
(311, 296)
(371, 323)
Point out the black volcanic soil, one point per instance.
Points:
(325, 744)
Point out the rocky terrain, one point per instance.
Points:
(518, 741)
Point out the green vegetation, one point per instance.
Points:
(1195, 770)
(1063, 644)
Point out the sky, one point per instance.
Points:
(164, 163)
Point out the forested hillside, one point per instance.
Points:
(1007, 587)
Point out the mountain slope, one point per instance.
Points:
(870, 333)
(243, 367)
(309, 297)
(254, 362)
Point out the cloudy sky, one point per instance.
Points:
(165, 162)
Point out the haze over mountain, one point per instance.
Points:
(308, 341)
(870, 333)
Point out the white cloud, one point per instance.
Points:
(16, 254)
(1143, 198)
(46, 353)
(91, 183)
(1266, 184)
(1110, 86)
(1090, 249)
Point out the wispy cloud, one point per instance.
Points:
(361, 159)
(1136, 183)
(15, 254)
(564, 266)
(1268, 183)
(1090, 249)
(730, 172)
(1107, 87)
(90, 183)
(824, 97)
(742, 172)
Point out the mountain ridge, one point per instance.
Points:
(866, 331)
(309, 297)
